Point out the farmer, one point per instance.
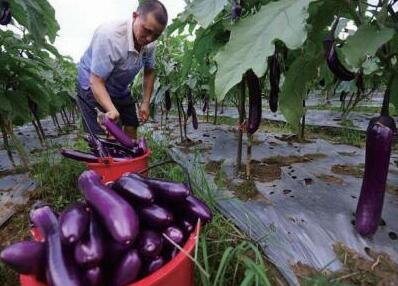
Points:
(117, 52)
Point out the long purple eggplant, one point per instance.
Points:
(195, 208)
(195, 123)
(127, 269)
(79, 155)
(116, 214)
(378, 151)
(25, 257)
(150, 244)
(90, 251)
(165, 191)
(154, 265)
(60, 270)
(332, 60)
(133, 190)
(175, 234)
(255, 109)
(74, 222)
(116, 132)
(94, 276)
(167, 98)
(156, 216)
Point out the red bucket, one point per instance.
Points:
(110, 170)
(177, 272)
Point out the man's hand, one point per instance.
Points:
(144, 112)
(113, 115)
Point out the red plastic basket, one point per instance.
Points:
(110, 170)
(177, 272)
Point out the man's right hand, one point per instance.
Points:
(113, 115)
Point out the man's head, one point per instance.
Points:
(150, 19)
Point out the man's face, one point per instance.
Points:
(146, 29)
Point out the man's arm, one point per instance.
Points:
(149, 80)
(101, 95)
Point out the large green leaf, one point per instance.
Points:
(365, 42)
(251, 41)
(300, 74)
(38, 16)
(204, 11)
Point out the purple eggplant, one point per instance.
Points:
(116, 214)
(154, 265)
(89, 252)
(195, 209)
(25, 257)
(156, 216)
(378, 151)
(150, 244)
(74, 223)
(195, 123)
(116, 132)
(142, 144)
(127, 269)
(115, 249)
(253, 85)
(235, 11)
(79, 155)
(165, 191)
(134, 190)
(167, 100)
(187, 226)
(60, 270)
(175, 234)
(170, 252)
(332, 60)
(94, 276)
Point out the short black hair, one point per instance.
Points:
(155, 7)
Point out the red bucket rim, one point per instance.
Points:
(109, 160)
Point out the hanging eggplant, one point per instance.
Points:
(205, 103)
(167, 100)
(190, 103)
(333, 62)
(195, 124)
(236, 11)
(379, 141)
(253, 85)
(275, 76)
(5, 13)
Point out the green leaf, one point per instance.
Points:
(38, 16)
(302, 71)
(251, 41)
(5, 105)
(204, 11)
(364, 43)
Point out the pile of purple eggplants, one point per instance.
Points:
(120, 148)
(123, 232)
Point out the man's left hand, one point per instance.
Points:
(144, 112)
